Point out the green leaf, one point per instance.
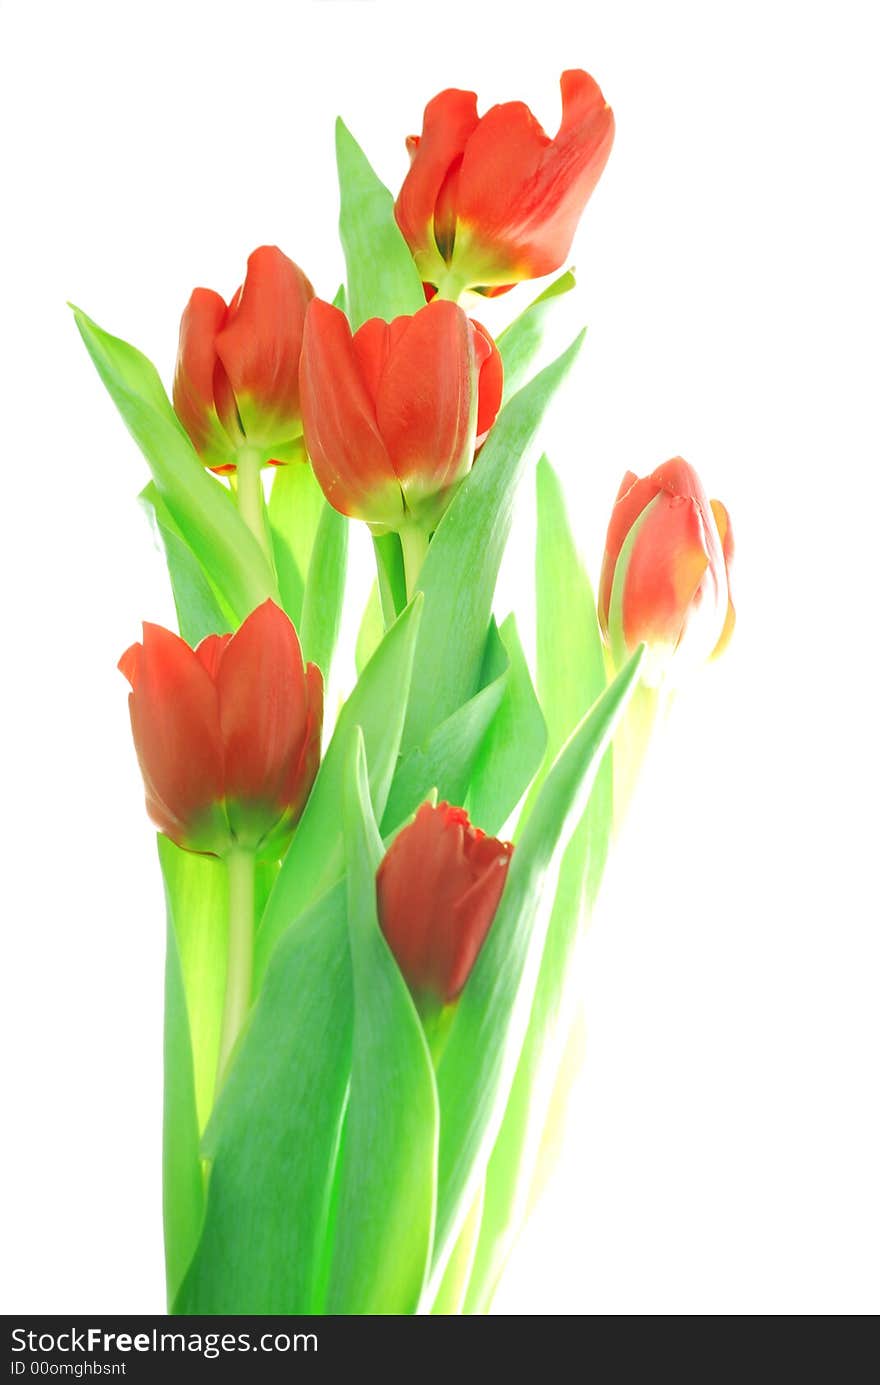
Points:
(382, 278)
(385, 1212)
(520, 343)
(372, 628)
(325, 589)
(459, 574)
(200, 506)
(315, 859)
(390, 575)
(514, 746)
(195, 981)
(479, 1061)
(453, 1287)
(200, 610)
(296, 504)
(446, 760)
(571, 675)
(274, 1137)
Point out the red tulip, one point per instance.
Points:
(665, 575)
(236, 383)
(392, 415)
(228, 735)
(438, 890)
(492, 200)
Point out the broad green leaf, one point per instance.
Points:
(325, 589)
(382, 278)
(453, 1287)
(385, 1211)
(200, 506)
(514, 746)
(295, 507)
(372, 628)
(479, 1061)
(274, 1137)
(520, 343)
(459, 574)
(446, 760)
(183, 1202)
(195, 981)
(199, 607)
(571, 675)
(315, 859)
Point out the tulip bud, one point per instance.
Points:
(236, 383)
(438, 890)
(491, 200)
(228, 735)
(665, 574)
(393, 414)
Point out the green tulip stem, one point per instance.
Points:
(414, 543)
(240, 867)
(451, 287)
(249, 495)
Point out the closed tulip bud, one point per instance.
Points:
(393, 414)
(491, 200)
(665, 575)
(228, 735)
(236, 384)
(438, 890)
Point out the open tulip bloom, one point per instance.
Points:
(370, 989)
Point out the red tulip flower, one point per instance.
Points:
(392, 415)
(665, 575)
(491, 200)
(228, 735)
(236, 383)
(438, 890)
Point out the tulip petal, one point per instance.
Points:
(426, 402)
(449, 121)
(632, 497)
(195, 375)
(260, 344)
(261, 690)
(725, 533)
(343, 440)
(667, 564)
(490, 369)
(209, 652)
(176, 729)
(520, 194)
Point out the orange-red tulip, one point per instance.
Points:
(228, 735)
(438, 890)
(392, 415)
(491, 200)
(665, 575)
(236, 383)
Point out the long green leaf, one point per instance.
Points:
(195, 980)
(459, 574)
(200, 609)
(520, 343)
(315, 859)
(296, 504)
(325, 589)
(385, 1215)
(447, 759)
(514, 746)
(274, 1137)
(199, 505)
(382, 278)
(571, 675)
(479, 1061)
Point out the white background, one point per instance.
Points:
(723, 1151)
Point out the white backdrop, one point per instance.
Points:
(723, 1148)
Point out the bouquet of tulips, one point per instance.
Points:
(373, 915)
